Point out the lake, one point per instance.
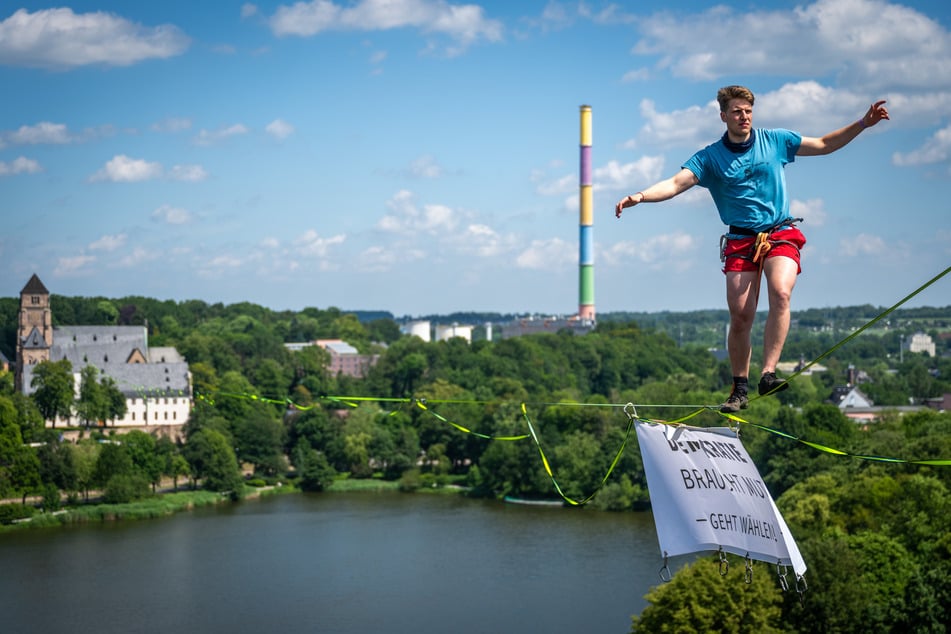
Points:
(336, 563)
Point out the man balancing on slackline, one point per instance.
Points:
(744, 173)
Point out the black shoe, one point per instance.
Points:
(769, 383)
(736, 401)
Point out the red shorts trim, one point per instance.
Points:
(734, 249)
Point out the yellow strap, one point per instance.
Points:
(761, 247)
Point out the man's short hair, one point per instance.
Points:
(725, 94)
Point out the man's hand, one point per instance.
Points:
(627, 201)
(876, 112)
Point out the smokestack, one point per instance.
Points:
(586, 237)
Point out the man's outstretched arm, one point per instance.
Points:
(663, 190)
(813, 146)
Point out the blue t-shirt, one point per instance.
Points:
(749, 188)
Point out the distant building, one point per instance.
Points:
(156, 382)
(535, 325)
(345, 359)
(920, 342)
(421, 328)
(941, 403)
(4, 363)
(850, 397)
(788, 367)
(447, 332)
(858, 407)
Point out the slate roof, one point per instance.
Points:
(110, 349)
(34, 340)
(34, 287)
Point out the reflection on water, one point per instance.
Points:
(336, 563)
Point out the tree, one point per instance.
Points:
(146, 459)
(53, 389)
(56, 465)
(259, 440)
(179, 467)
(19, 466)
(316, 474)
(699, 600)
(114, 401)
(212, 460)
(124, 488)
(10, 441)
(28, 418)
(114, 460)
(91, 404)
(85, 457)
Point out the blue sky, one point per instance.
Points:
(421, 156)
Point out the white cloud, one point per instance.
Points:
(188, 173)
(19, 165)
(465, 24)
(562, 185)
(867, 43)
(138, 256)
(408, 219)
(483, 241)
(225, 261)
(663, 252)
(172, 124)
(936, 149)
(685, 127)
(616, 176)
(279, 129)
(43, 132)
(67, 266)
(862, 244)
(425, 167)
(812, 211)
(109, 243)
(172, 215)
(553, 254)
(312, 245)
(379, 259)
(210, 137)
(638, 74)
(61, 39)
(123, 169)
(248, 10)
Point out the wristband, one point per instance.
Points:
(862, 123)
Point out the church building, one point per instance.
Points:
(155, 381)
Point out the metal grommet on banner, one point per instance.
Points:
(781, 573)
(664, 572)
(801, 589)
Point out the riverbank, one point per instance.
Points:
(161, 505)
(168, 502)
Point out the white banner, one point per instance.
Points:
(707, 494)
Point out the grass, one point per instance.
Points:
(368, 484)
(158, 506)
(167, 504)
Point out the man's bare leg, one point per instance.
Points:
(781, 275)
(741, 300)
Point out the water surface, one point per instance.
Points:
(336, 563)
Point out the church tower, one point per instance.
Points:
(34, 327)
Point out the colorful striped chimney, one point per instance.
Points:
(586, 238)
